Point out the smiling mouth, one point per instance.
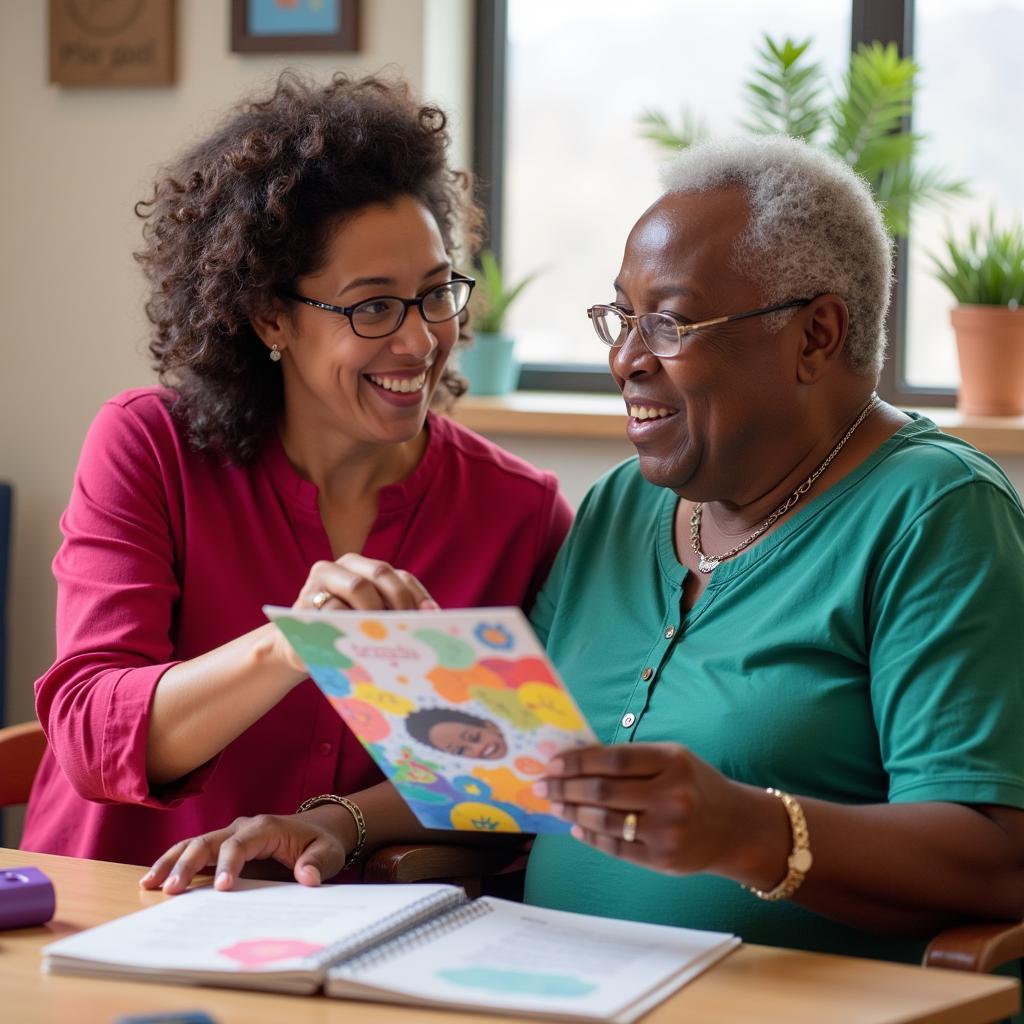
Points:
(491, 751)
(645, 412)
(400, 385)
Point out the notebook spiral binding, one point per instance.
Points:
(419, 936)
(388, 927)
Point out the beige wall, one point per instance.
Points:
(74, 162)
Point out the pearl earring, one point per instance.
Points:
(275, 354)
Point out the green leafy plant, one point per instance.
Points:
(987, 269)
(492, 296)
(863, 122)
(656, 127)
(785, 93)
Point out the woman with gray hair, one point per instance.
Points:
(804, 651)
(801, 606)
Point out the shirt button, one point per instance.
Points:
(670, 632)
(628, 719)
(326, 749)
(647, 673)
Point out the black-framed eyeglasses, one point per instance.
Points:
(384, 314)
(663, 333)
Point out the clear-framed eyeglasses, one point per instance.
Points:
(663, 333)
(384, 314)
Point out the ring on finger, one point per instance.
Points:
(320, 598)
(629, 824)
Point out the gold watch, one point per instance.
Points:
(800, 860)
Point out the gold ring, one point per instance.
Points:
(320, 599)
(629, 828)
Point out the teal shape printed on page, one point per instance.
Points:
(314, 642)
(450, 650)
(534, 983)
(423, 795)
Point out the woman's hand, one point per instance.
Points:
(302, 842)
(366, 584)
(357, 582)
(658, 805)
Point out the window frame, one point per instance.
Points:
(883, 20)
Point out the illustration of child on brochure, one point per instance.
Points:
(461, 710)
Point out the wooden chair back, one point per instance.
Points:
(21, 750)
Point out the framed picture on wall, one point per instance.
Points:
(292, 26)
(116, 42)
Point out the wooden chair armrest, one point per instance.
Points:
(433, 861)
(976, 947)
(22, 748)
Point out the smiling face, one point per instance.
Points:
(704, 420)
(375, 390)
(484, 741)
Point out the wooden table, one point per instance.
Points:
(755, 984)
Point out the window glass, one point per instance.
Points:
(969, 107)
(577, 172)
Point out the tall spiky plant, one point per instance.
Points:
(493, 295)
(656, 127)
(864, 123)
(784, 95)
(868, 132)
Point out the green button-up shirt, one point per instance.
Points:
(870, 649)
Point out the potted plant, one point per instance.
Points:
(489, 363)
(985, 274)
(863, 122)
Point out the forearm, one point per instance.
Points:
(890, 867)
(202, 705)
(389, 821)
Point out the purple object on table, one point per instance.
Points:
(26, 898)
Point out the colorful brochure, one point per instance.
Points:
(460, 709)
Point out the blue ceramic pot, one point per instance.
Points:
(490, 364)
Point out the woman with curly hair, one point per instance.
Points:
(304, 307)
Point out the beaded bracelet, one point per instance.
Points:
(353, 809)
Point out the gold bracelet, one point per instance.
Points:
(800, 860)
(353, 809)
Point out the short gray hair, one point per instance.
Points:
(814, 228)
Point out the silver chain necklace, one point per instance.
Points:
(708, 563)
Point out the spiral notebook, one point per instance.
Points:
(261, 935)
(460, 709)
(422, 945)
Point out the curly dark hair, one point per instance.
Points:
(419, 723)
(251, 208)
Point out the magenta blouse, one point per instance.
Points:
(168, 553)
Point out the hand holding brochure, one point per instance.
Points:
(461, 710)
(423, 945)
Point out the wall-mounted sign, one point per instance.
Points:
(112, 42)
(282, 26)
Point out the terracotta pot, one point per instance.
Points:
(990, 346)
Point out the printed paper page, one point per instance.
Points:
(460, 709)
(534, 960)
(255, 928)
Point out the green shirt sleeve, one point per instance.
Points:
(947, 650)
